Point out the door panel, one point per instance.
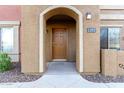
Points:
(59, 43)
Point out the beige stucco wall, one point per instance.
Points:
(91, 40)
(120, 62)
(109, 59)
(30, 38)
(112, 62)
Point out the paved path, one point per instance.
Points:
(61, 75)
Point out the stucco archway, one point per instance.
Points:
(41, 36)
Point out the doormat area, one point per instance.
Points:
(99, 78)
(15, 75)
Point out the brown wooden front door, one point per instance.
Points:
(59, 43)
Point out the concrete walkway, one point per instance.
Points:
(61, 75)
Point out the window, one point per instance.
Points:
(7, 35)
(9, 42)
(9, 39)
(110, 37)
(114, 38)
(104, 38)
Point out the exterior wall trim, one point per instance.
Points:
(111, 25)
(10, 23)
(111, 7)
(41, 32)
(111, 16)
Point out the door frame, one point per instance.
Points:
(41, 35)
(66, 30)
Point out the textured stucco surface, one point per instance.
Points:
(29, 44)
(10, 13)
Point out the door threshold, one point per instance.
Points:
(59, 60)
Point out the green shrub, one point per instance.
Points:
(5, 62)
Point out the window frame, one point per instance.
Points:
(15, 25)
(113, 26)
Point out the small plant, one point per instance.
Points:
(5, 62)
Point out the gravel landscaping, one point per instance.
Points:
(15, 75)
(99, 78)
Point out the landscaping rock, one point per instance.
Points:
(99, 78)
(15, 75)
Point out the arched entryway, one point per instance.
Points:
(66, 11)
